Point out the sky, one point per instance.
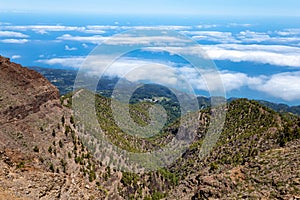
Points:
(153, 7)
(257, 51)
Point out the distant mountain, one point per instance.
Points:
(281, 108)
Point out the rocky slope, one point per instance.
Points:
(41, 156)
(250, 160)
(23, 91)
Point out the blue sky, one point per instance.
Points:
(193, 7)
(257, 50)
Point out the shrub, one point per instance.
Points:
(69, 155)
(50, 149)
(213, 166)
(60, 144)
(36, 149)
(92, 175)
(63, 164)
(72, 121)
(51, 168)
(63, 120)
(53, 133)
(21, 165)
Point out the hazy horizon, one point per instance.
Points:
(255, 45)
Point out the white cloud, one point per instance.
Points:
(145, 40)
(256, 47)
(125, 39)
(74, 62)
(85, 45)
(213, 80)
(4, 23)
(257, 37)
(267, 54)
(96, 39)
(215, 36)
(283, 37)
(67, 48)
(206, 26)
(233, 81)
(162, 27)
(14, 41)
(16, 57)
(283, 85)
(12, 34)
(101, 27)
(250, 36)
(239, 24)
(150, 71)
(42, 29)
(289, 32)
(114, 27)
(90, 29)
(111, 65)
(94, 31)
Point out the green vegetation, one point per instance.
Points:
(60, 143)
(51, 168)
(63, 120)
(92, 175)
(250, 129)
(281, 108)
(67, 130)
(113, 131)
(129, 178)
(50, 149)
(63, 79)
(21, 165)
(246, 122)
(169, 176)
(36, 149)
(64, 165)
(68, 99)
(72, 120)
(290, 132)
(53, 133)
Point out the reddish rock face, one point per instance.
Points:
(22, 91)
(30, 111)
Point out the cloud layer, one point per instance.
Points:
(14, 41)
(275, 47)
(282, 85)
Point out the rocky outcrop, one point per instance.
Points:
(41, 156)
(23, 91)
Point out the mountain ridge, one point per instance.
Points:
(42, 155)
